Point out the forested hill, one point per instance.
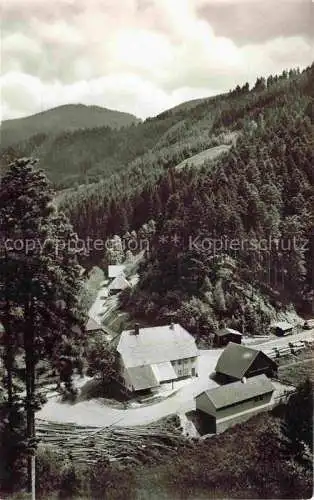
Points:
(93, 151)
(33, 133)
(261, 189)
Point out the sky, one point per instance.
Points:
(144, 56)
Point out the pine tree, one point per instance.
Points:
(40, 263)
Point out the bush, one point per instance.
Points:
(12, 447)
(50, 466)
(60, 477)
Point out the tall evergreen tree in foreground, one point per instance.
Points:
(39, 283)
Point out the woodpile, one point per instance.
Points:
(291, 348)
(92, 444)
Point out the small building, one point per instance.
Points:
(238, 361)
(115, 270)
(119, 284)
(235, 402)
(93, 327)
(282, 328)
(226, 335)
(153, 356)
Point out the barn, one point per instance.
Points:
(226, 335)
(238, 361)
(153, 356)
(235, 402)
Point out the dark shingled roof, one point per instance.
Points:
(236, 392)
(235, 360)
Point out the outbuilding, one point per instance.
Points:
(235, 402)
(119, 284)
(226, 335)
(116, 270)
(282, 328)
(238, 361)
(93, 327)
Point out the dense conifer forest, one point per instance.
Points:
(254, 203)
(233, 238)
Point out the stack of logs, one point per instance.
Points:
(92, 444)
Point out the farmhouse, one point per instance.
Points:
(282, 328)
(118, 284)
(152, 356)
(236, 402)
(226, 335)
(238, 361)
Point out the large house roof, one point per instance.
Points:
(142, 377)
(236, 392)
(156, 345)
(235, 360)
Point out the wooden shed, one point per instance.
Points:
(282, 328)
(235, 402)
(238, 361)
(118, 284)
(226, 335)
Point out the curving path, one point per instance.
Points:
(95, 413)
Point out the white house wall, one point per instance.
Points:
(184, 367)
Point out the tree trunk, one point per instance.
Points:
(9, 357)
(30, 391)
(9, 363)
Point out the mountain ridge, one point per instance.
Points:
(67, 117)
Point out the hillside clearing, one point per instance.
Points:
(206, 155)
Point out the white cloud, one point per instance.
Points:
(22, 94)
(116, 54)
